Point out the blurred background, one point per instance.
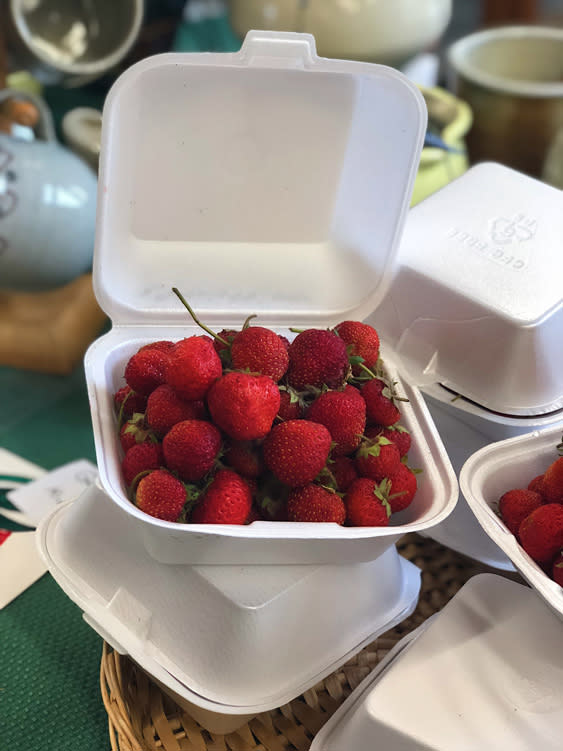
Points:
(59, 58)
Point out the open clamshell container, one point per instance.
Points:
(475, 313)
(497, 468)
(270, 182)
(486, 672)
(227, 642)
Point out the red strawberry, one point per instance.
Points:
(296, 451)
(128, 402)
(227, 500)
(343, 413)
(557, 569)
(313, 503)
(260, 350)
(165, 408)
(552, 484)
(140, 458)
(135, 431)
(399, 435)
(146, 368)
(365, 505)
(377, 458)
(244, 405)
(317, 357)
(222, 345)
(160, 494)
(164, 345)
(191, 448)
(402, 487)
(362, 343)
(380, 406)
(344, 472)
(541, 532)
(290, 405)
(192, 367)
(536, 484)
(244, 457)
(515, 505)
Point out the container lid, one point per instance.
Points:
(484, 673)
(248, 649)
(477, 300)
(267, 181)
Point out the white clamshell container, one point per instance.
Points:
(486, 673)
(502, 466)
(476, 303)
(228, 642)
(475, 314)
(268, 181)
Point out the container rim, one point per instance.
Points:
(459, 50)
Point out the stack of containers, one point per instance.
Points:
(274, 182)
(475, 312)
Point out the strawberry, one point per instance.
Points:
(244, 406)
(161, 495)
(396, 433)
(377, 458)
(541, 533)
(192, 367)
(362, 344)
(343, 413)
(536, 484)
(227, 500)
(380, 405)
(260, 350)
(291, 407)
(135, 431)
(127, 402)
(365, 505)
(222, 345)
(344, 472)
(552, 484)
(271, 498)
(317, 357)
(515, 505)
(244, 457)
(141, 458)
(314, 503)
(165, 408)
(191, 448)
(164, 345)
(402, 487)
(296, 451)
(557, 569)
(145, 369)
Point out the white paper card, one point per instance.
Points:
(36, 499)
(20, 564)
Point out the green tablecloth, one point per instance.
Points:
(49, 666)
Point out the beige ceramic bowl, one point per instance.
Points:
(512, 78)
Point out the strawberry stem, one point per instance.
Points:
(196, 319)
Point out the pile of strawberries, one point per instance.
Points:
(244, 425)
(534, 515)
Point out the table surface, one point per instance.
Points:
(49, 671)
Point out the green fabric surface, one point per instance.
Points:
(49, 668)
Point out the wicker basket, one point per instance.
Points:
(142, 717)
